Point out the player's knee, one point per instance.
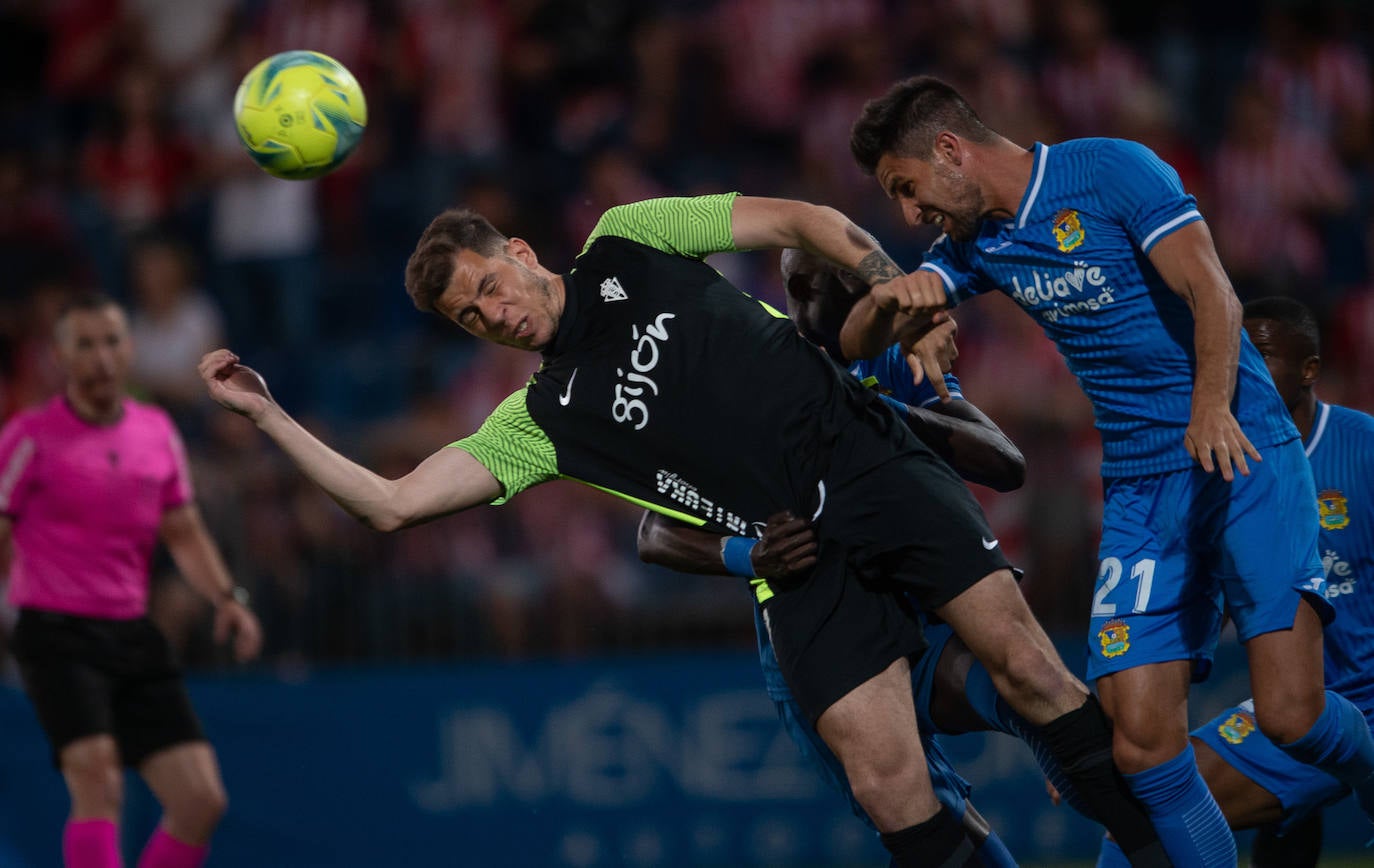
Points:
(885, 790)
(1028, 670)
(1286, 722)
(1136, 748)
(198, 810)
(95, 782)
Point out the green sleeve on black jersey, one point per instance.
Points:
(510, 445)
(697, 226)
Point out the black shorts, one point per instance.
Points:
(909, 530)
(92, 676)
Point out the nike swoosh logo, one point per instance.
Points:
(567, 392)
(989, 544)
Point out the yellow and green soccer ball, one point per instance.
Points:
(299, 114)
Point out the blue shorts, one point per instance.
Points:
(1177, 547)
(1300, 788)
(951, 790)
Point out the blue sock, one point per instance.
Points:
(1339, 744)
(1111, 855)
(1189, 821)
(1001, 717)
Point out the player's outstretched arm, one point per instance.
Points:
(198, 558)
(448, 481)
(969, 442)
(1187, 260)
(788, 546)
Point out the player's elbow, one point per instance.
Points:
(1010, 468)
(647, 539)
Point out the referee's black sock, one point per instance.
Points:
(939, 842)
(1081, 742)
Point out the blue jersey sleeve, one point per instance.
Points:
(951, 261)
(890, 374)
(1142, 192)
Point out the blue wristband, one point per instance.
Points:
(737, 553)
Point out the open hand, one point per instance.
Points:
(1215, 440)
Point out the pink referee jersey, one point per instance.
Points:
(86, 501)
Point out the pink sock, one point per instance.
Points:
(164, 851)
(91, 844)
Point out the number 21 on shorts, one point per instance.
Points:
(1109, 577)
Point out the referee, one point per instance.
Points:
(88, 483)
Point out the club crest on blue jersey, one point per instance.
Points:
(1115, 637)
(1237, 727)
(1068, 230)
(1331, 503)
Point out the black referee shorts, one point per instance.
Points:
(907, 530)
(93, 676)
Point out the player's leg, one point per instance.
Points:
(843, 649)
(1155, 618)
(95, 782)
(994, 621)
(1257, 784)
(950, 789)
(959, 572)
(186, 781)
(1245, 803)
(872, 731)
(63, 663)
(1275, 592)
(960, 697)
(159, 734)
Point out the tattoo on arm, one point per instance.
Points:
(877, 267)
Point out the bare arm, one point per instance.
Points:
(1187, 260)
(198, 559)
(788, 546)
(448, 481)
(900, 305)
(971, 443)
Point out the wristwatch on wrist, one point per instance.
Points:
(238, 593)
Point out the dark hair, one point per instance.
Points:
(1294, 314)
(431, 265)
(87, 300)
(906, 120)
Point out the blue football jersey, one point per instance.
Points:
(1341, 451)
(890, 375)
(1075, 257)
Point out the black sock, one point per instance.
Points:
(1299, 847)
(1081, 742)
(939, 842)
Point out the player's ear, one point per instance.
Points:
(951, 147)
(522, 252)
(1311, 368)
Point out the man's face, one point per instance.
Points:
(501, 299)
(819, 298)
(1292, 371)
(934, 192)
(95, 353)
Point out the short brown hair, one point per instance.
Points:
(431, 265)
(906, 120)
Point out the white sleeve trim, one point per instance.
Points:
(1169, 227)
(944, 275)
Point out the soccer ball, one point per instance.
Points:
(299, 114)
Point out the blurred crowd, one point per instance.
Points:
(120, 169)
